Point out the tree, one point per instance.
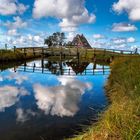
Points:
(55, 39)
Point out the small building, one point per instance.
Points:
(81, 41)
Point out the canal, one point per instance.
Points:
(50, 100)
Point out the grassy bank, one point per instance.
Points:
(121, 120)
(9, 55)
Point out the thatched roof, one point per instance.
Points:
(81, 41)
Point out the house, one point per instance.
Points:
(81, 41)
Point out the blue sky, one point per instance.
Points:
(105, 23)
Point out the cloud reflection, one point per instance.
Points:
(17, 77)
(61, 100)
(24, 115)
(9, 95)
(21, 116)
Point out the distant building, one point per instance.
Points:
(81, 41)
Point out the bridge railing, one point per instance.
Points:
(69, 51)
(63, 71)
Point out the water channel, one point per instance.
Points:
(50, 100)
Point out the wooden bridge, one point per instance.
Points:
(62, 53)
(70, 51)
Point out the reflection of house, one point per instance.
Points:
(78, 68)
(81, 41)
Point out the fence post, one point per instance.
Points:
(14, 49)
(25, 52)
(33, 51)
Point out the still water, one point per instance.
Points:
(45, 100)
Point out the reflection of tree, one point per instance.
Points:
(78, 67)
(55, 67)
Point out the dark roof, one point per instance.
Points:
(78, 68)
(81, 41)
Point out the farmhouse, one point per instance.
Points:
(81, 41)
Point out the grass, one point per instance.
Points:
(9, 55)
(121, 120)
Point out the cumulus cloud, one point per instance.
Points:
(119, 40)
(123, 27)
(123, 40)
(9, 95)
(11, 7)
(61, 100)
(114, 43)
(26, 40)
(131, 40)
(16, 24)
(98, 43)
(132, 7)
(71, 12)
(13, 32)
(98, 36)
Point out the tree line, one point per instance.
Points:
(57, 39)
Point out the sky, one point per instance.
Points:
(105, 23)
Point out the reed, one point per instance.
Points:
(121, 120)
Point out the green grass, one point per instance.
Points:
(9, 55)
(121, 120)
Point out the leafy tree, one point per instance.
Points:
(55, 39)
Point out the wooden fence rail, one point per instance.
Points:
(62, 49)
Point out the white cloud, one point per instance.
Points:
(61, 100)
(19, 79)
(98, 36)
(11, 7)
(26, 40)
(16, 24)
(131, 40)
(70, 36)
(98, 43)
(24, 115)
(123, 27)
(21, 116)
(71, 12)
(12, 32)
(132, 7)
(120, 40)
(121, 46)
(9, 95)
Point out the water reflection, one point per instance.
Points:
(24, 115)
(64, 68)
(34, 98)
(61, 100)
(9, 95)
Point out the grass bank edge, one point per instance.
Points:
(9, 55)
(121, 120)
